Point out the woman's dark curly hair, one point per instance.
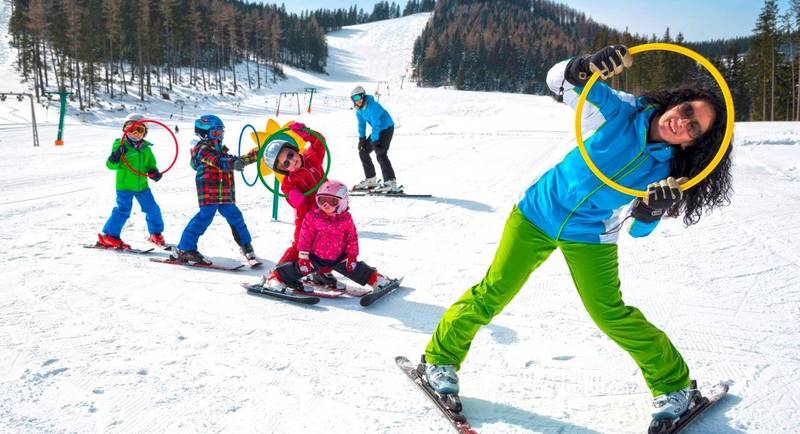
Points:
(715, 190)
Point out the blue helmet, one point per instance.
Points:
(209, 125)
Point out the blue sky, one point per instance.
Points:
(696, 19)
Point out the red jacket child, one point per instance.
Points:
(303, 171)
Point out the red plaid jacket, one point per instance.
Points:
(214, 167)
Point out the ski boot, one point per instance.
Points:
(247, 251)
(111, 242)
(444, 381)
(381, 282)
(367, 184)
(250, 255)
(672, 406)
(273, 282)
(326, 280)
(157, 240)
(189, 256)
(389, 187)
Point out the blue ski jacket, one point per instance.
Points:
(376, 116)
(568, 202)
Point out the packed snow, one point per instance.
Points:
(95, 341)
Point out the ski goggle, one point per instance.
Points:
(138, 129)
(216, 133)
(357, 98)
(288, 160)
(330, 201)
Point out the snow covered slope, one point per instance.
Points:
(93, 341)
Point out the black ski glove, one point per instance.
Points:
(362, 141)
(661, 196)
(154, 174)
(117, 154)
(609, 61)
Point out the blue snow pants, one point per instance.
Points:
(120, 214)
(199, 223)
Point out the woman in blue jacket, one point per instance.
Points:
(369, 111)
(652, 142)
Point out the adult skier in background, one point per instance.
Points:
(369, 111)
(215, 190)
(136, 151)
(652, 142)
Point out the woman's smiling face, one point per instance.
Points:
(683, 123)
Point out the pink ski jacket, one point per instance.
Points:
(328, 236)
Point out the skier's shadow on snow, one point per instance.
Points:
(471, 205)
(422, 317)
(379, 235)
(481, 411)
(715, 419)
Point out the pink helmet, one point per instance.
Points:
(332, 188)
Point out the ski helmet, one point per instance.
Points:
(332, 188)
(357, 94)
(209, 125)
(274, 149)
(132, 119)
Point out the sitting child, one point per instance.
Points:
(328, 241)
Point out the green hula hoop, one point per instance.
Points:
(280, 134)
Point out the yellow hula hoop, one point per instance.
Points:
(726, 140)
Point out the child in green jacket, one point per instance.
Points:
(137, 153)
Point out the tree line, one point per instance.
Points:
(509, 45)
(86, 46)
(335, 19)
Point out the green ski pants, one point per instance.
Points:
(594, 269)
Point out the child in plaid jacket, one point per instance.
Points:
(215, 190)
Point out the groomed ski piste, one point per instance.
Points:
(93, 341)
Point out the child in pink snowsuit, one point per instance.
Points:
(328, 240)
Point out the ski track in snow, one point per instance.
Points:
(93, 341)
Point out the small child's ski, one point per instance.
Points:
(119, 250)
(451, 409)
(257, 289)
(670, 426)
(374, 296)
(198, 264)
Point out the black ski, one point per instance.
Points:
(256, 289)
(449, 405)
(128, 250)
(198, 264)
(702, 403)
(399, 194)
(374, 296)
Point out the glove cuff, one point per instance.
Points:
(577, 71)
(640, 211)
